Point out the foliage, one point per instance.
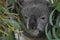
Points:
(54, 33)
(7, 23)
(57, 4)
(10, 22)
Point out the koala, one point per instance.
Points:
(35, 15)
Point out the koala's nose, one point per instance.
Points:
(33, 22)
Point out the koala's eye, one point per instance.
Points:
(43, 18)
(25, 17)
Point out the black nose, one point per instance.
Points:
(33, 22)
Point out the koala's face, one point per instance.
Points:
(36, 18)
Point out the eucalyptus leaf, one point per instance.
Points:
(14, 24)
(0, 7)
(57, 4)
(58, 8)
(10, 36)
(51, 17)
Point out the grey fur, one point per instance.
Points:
(40, 10)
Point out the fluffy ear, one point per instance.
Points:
(30, 2)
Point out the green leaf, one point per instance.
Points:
(0, 7)
(48, 32)
(51, 17)
(57, 4)
(58, 21)
(58, 8)
(13, 23)
(10, 36)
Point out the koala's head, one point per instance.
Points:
(36, 18)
